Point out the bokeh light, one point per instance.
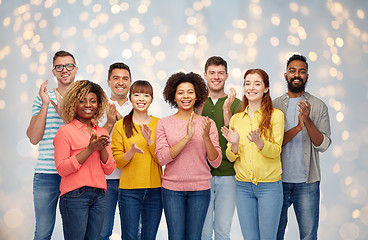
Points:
(159, 38)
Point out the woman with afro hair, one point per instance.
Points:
(82, 157)
(186, 143)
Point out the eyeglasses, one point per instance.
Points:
(69, 67)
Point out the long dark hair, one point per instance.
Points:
(139, 86)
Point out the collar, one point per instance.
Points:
(258, 111)
(127, 103)
(81, 125)
(305, 95)
(219, 99)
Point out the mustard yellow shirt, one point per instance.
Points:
(143, 170)
(251, 163)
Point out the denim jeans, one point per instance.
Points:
(45, 198)
(259, 208)
(112, 196)
(221, 209)
(305, 199)
(144, 204)
(185, 212)
(82, 212)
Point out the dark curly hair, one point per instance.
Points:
(76, 92)
(173, 82)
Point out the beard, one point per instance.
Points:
(296, 89)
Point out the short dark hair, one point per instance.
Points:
(173, 82)
(297, 57)
(215, 60)
(62, 53)
(119, 65)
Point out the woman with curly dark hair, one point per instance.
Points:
(185, 141)
(82, 157)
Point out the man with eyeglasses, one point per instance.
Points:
(44, 124)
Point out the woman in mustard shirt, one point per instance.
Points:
(254, 144)
(133, 146)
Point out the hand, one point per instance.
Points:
(112, 114)
(255, 136)
(136, 149)
(230, 99)
(232, 136)
(45, 98)
(58, 100)
(146, 133)
(206, 126)
(191, 126)
(98, 143)
(304, 110)
(300, 125)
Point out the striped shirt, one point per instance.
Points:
(45, 161)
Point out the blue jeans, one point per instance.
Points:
(185, 212)
(45, 198)
(82, 213)
(112, 196)
(259, 208)
(305, 199)
(221, 209)
(144, 204)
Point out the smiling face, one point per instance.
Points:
(141, 101)
(296, 76)
(216, 76)
(65, 77)
(86, 108)
(185, 96)
(254, 87)
(119, 83)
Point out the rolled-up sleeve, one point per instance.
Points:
(323, 125)
(215, 141)
(232, 157)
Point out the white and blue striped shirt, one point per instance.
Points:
(45, 161)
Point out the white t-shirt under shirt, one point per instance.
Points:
(123, 110)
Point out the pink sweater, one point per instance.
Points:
(70, 140)
(189, 171)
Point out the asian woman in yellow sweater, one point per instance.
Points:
(133, 146)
